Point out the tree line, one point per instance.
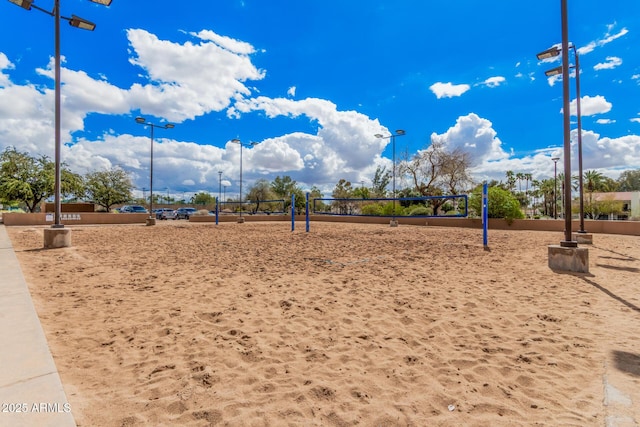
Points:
(434, 171)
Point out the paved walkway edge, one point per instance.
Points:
(31, 392)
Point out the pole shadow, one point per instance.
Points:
(621, 257)
(627, 362)
(612, 295)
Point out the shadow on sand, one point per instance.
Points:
(627, 362)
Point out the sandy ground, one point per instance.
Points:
(253, 325)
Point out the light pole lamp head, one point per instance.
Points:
(141, 120)
(169, 126)
(81, 23)
(555, 159)
(378, 135)
(553, 72)
(103, 2)
(25, 4)
(549, 53)
(236, 141)
(400, 132)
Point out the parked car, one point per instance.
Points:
(165, 213)
(185, 213)
(133, 209)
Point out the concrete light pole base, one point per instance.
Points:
(241, 220)
(568, 259)
(586, 238)
(151, 221)
(57, 238)
(394, 223)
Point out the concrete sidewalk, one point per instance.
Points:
(31, 393)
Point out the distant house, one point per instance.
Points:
(630, 202)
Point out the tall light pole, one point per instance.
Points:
(77, 22)
(550, 53)
(399, 132)
(567, 242)
(142, 121)
(555, 187)
(237, 141)
(251, 144)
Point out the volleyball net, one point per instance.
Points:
(426, 206)
(251, 207)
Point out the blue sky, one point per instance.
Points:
(313, 81)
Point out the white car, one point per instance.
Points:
(165, 213)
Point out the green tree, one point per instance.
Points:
(381, 180)
(301, 200)
(610, 184)
(502, 203)
(362, 193)
(629, 181)
(108, 187)
(605, 206)
(283, 187)
(316, 205)
(342, 190)
(31, 180)
(203, 199)
(259, 191)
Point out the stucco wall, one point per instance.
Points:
(591, 226)
(74, 218)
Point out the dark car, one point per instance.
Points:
(165, 213)
(184, 213)
(133, 209)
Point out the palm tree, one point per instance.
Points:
(534, 193)
(511, 180)
(528, 177)
(520, 178)
(546, 190)
(593, 180)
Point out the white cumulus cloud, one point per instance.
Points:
(183, 88)
(494, 81)
(474, 135)
(608, 38)
(590, 106)
(448, 90)
(612, 62)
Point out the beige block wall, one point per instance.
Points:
(82, 218)
(591, 226)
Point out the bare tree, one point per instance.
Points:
(436, 171)
(454, 171)
(424, 169)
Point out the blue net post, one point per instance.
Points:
(485, 213)
(217, 209)
(306, 211)
(293, 212)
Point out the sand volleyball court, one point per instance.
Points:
(368, 325)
